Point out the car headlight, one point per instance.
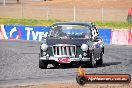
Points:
(84, 54)
(84, 47)
(44, 47)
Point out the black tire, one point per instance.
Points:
(56, 64)
(92, 60)
(42, 64)
(65, 65)
(100, 61)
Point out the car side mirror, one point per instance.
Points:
(96, 40)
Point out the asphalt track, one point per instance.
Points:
(19, 64)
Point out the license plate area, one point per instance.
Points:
(64, 60)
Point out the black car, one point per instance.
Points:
(72, 43)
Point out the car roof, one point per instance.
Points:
(75, 23)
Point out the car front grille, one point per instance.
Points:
(64, 50)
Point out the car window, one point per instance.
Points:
(70, 31)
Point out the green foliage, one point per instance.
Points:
(33, 22)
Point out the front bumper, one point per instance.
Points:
(55, 59)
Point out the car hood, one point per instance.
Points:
(77, 42)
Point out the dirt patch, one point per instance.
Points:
(87, 3)
(86, 10)
(75, 85)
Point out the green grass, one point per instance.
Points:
(33, 22)
(27, 22)
(114, 24)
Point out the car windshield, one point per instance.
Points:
(69, 31)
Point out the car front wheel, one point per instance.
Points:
(92, 60)
(42, 64)
(100, 61)
(55, 64)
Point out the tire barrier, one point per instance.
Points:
(109, 36)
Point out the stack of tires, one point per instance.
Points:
(129, 17)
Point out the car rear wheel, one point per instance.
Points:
(100, 61)
(42, 64)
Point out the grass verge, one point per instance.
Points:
(33, 22)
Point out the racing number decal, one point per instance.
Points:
(64, 60)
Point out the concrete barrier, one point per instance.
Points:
(109, 36)
(130, 36)
(1, 34)
(105, 34)
(119, 36)
(24, 32)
